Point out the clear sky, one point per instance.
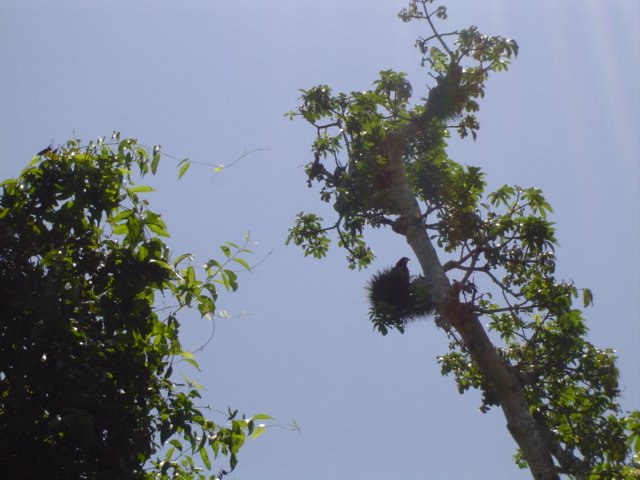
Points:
(211, 79)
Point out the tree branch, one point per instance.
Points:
(503, 380)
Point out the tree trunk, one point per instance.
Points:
(501, 377)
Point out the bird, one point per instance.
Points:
(391, 287)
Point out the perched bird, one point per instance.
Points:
(395, 299)
(391, 287)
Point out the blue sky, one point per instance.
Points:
(210, 80)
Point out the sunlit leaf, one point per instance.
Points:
(140, 188)
(183, 166)
(205, 458)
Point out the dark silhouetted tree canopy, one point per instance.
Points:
(86, 358)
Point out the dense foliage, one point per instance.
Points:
(89, 326)
(381, 161)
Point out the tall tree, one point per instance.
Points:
(382, 162)
(89, 327)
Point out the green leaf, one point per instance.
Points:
(120, 229)
(156, 159)
(587, 297)
(205, 458)
(259, 430)
(162, 264)
(158, 229)
(121, 216)
(8, 181)
(262, 416)
(140, 188)
(180, 258)
(169, 454)
(240, 261)
(192, 362)
(229, 279)
(190, 276)
(183, 166)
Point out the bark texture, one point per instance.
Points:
(500, 376)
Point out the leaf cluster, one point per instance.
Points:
(570, 385)
(87, 352)
(351, 158)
